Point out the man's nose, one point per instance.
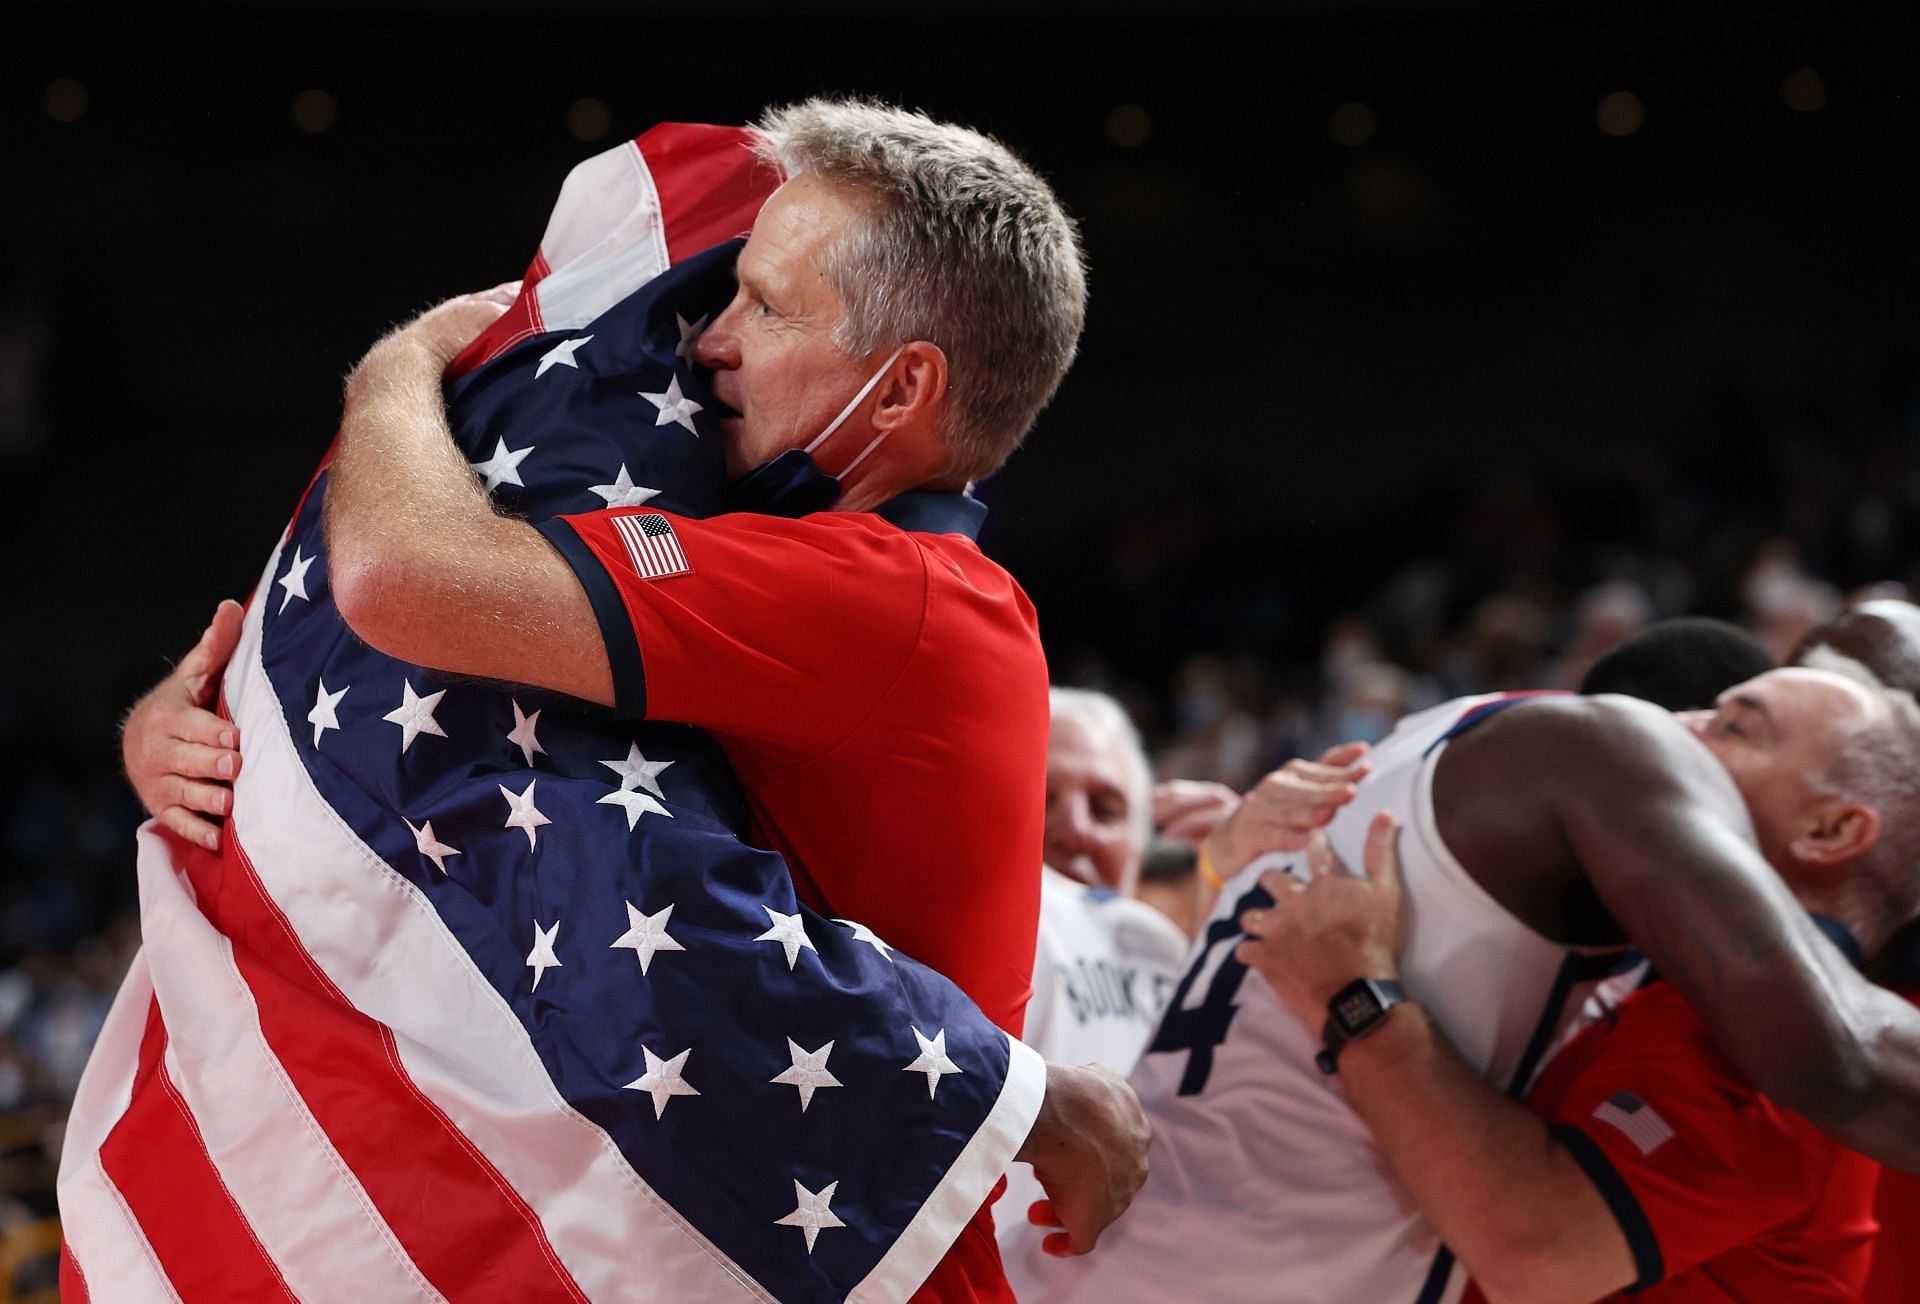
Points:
(718, 348)
(1069, 823)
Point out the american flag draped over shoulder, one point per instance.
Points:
(484, 998)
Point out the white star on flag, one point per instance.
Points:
(689, 334)
(295, 580)
(414, 715)
(323, 716)
(429, 846)
(647, 934)
(810, 1212)
(504, 466)
(560, 355)
(541, 958)
(638, 772)
(522, 734)
(861, 933)
(623, 492)
(635, 804)
(933, 1060)
(674, 406)
(788, 931)
(525, 815)
(662, 1079)
(809, 1071)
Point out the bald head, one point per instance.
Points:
(1825, 758)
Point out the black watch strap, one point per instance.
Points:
(1355, 1011)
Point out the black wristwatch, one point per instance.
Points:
(1355, 1010)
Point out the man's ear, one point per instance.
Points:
(913, 396)
(1841, 833)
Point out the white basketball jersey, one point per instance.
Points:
(1265, 1186)
(1102, 974)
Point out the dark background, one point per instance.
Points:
(1484, 348)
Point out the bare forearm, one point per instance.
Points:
(422, 566)
(398, 482)
(1523, 1218)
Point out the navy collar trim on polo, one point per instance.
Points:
(1841, 936)
(926, 512)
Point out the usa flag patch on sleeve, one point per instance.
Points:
(652, 545)
(1636, 1119)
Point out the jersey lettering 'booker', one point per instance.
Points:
(1265, 1185)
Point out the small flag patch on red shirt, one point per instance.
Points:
(652, 545)
(1636, 1118)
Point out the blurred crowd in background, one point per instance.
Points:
(1233, 659)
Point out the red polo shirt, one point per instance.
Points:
(882, 695)
(1723, 1195)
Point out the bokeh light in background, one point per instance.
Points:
(1805, 90)
(66, 100)
(314, 111)
(1352, 123)
(1620, 113)
(1128, 126)
(589, 120)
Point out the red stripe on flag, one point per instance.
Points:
(73, 1283)
(520, 321)
(155, 1158)
(458, 1219)
(710, 184)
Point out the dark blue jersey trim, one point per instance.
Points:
(1475, 715)
(1438, 1276)
(1620, 1199)
(610, 609)
(1577, 968)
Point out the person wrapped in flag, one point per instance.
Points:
(491, 969)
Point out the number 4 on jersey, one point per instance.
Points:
(1199, 1029)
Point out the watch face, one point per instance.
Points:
(1356, 1007)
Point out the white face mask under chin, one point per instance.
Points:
(812, 449)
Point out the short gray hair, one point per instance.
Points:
(1878, 764)
(1100, 712)
(966, 248)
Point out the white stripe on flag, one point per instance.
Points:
(1635, 1119)
(966, 1186)
(309, 1212)
(101, 1232)
(606, 238)
(655, 554)
(374, 935)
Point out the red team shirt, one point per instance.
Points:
(879, 687)
(1723, 1195)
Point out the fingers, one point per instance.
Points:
(197, 829)
(1342, 755)
(1382, 855)
(1192, 828)
(1298, 773)
(1041, 1214)
(193, 732)
(1320, 858)
(203, 664)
